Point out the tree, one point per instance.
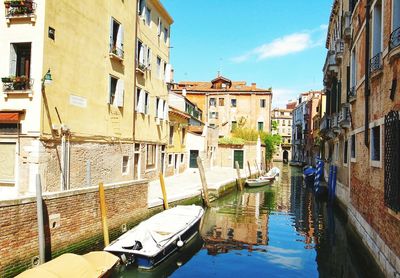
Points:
(271, 141)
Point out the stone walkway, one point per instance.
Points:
(188, 184)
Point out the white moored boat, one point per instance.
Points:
(154, 239)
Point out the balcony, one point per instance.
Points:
(116, 52)
(375, 64)
(335, 123)
(347, 26)
(352, 94)
(345, 116)
(339, 45)
(20, 10)
(394, 39)
(324, 126)
(330, 63)
(17, 85)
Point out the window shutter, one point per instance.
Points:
(168, 75)
(160, 109)
(165, 110)
(159, 28)
(111, 33)
(141, 101)
(120, 40)
(146, 102)
(119, 93)
(141, 54)
(109, 90)
(13, 60)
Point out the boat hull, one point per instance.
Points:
(258, 183)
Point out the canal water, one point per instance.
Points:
(273, 231)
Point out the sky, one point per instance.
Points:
(274, 43)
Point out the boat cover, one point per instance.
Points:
(93, 264)
(151, 235)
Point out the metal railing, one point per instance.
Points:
(347, 25)
(394, 39)
(16, 84)
(14, 8)
(330, 60)
(344, 116)
(375, 63)
(118, 51)
(324, 125)
(352, 94)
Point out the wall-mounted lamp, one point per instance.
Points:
(47, 78)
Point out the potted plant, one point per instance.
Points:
(6, 79)
(15, 3)
(7, 4)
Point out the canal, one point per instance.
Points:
(273, 231)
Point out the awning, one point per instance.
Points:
(9, 117)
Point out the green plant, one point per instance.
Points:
(271, 141)
(248, 134)
(231, 141)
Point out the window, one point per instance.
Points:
(336, 152)
(260, 126)
(221, 101)
(345, 152)
(159, 27)
(353, 71)
(116, 38)
(171, 135)
(151, 155)
(164, 76)
(213, 115)
(165, 35)
(125, 164)
(182, 157)
(183, 136)
(212, 102)
(212, 125)
(7, 154)
(20, 64)
(353, 147)
(116, 91)
(158, 67)
(262, 103)
(377, 28)
(170, 159)
(113, 88)
(233, 125)
(146, 103)
(233, 102)
(148, 16)
(395, 14)
(143, 56)
(141, 7)
(375, 146)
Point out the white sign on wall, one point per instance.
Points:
(77, 101)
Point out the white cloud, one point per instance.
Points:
(282, 46)
(281, 96)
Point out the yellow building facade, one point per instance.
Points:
(104, 117)
(153, 76)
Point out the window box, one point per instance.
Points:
(20, 9)
(16, 83)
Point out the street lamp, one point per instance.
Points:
(47, 79)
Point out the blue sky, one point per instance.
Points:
(275, 43)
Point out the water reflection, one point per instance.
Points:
(277, 231)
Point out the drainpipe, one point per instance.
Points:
(366, 81)
(134, 81)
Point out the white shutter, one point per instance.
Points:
(160, 109)
(111, 33)
(168, 75)
(13, 60)
(141, 54)
(119, 93)
(165, 110)
(159, 28)
(145, 55)
(141, 101)
(120, 41)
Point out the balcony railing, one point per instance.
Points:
(330, 62)
(335, 123)
(116, 51)
(344, 116)
(347, 26)
(17, 9)
(352, 94)
(339, 45)
(394, 39)
(375, 63)
(324, 126)
(19, 83)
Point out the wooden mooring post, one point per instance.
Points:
(164, 192)
(258, 169)
(248, 165)
(203, 181)
(238, 174)
(103, 211)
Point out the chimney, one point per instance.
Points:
(253, 86)
(184, 92)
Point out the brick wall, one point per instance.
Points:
(76, 219)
